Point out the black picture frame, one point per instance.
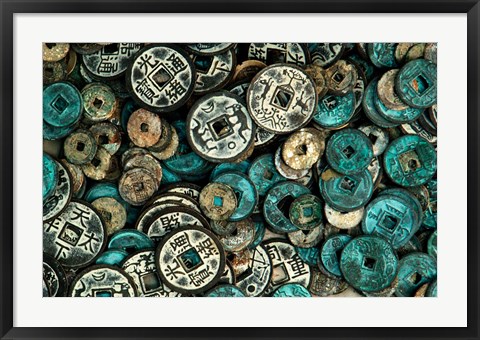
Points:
(9, 7)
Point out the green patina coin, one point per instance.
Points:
(349, 151)
(225, 290)
(432, 245)
(432, 289)
(369, 263)
(264, 174)
(335, 111)
(309, 255)
(416, 83)
(430, 214)
(414, 270)
(291, 290)
(369, 106)
(413, 202)
(397, 116)
(410, 161)
(392, 218)
(113, 257)
(51, 132)
(306, 212)
(382, 54)
(62, 104)
(346, 192)
(330, 253)
(50, 176)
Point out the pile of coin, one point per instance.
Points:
(234, 170)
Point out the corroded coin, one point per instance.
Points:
(225, 291)
(377, 136)
(86, 48)
(80, 147)
(111, 61)
(144, 128)
(165, 137)
(288, 267)
(323, 285)
(62, 104)
(335, 111)
(213, 71)
(98, 168)
(306, 238)
(76, 237)
(141, 267)
(137, 185)
(317, 73)
(147, 162)
(343, 220)
(329, 255)
(102, 281)
(341, 77)
(113, 213)
(218, 201)
(55, 276)
(416, 83)
(253, 280)
(306, 212)
(324, 54)
(54, 51)
(302, 149)
(99, 103)
(107, 135)
(414, 270)
(263, 174)
(369, 263)
(219, 127)
(284, 170)
(240, 238)
(282, 98)
(291, 290)
(274, 53)
(386, 91)
(382, 54)
(247, 70)
(161, 77)
(60, 197)
(190, 260)
(50, 176)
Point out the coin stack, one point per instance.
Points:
(240, 170)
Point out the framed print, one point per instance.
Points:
(239, 169)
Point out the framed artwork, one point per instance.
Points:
(293, 188)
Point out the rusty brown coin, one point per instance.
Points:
(99, 166)
(80, 147)
(218, 201)
(137, 186)
(144, 128)
(112, 212)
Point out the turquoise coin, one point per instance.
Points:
(62, 104)
(331, 252)
(277, 204)
(398, 116)
(169, 176)
(264, 174)
(392, 218)
(309, 255)
(432, 289)
(335, 111)
(382, 54)
(260, 229)
(224, 167)
(346, 192)
(349, 151)
(369, 263)
(130, 240)
(410, 161)
(128, 108)
(416, 83)
(51, 132)
(370, 99)
(113, 257)
(432, 245)
(430, 215)
(291, 290)
(247, 196)
(410, 198)
(225, 290)
(50, 176)
(414, 270)
(367, 68)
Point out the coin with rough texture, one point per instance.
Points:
(291, 290)
(111, 61)
(335, 111)
(161, 78)
(341, 77)
(218, 201)
(369, 263)
(98, 168)
(377, 136)
(141, 267)
(323, 285)
(99, 103)
(102, 281)
(431, 52)
(219, 127)
(137, 185)
(240, 238)
(386, 91)
(382, 54)
(263, 174)
(306, 212)
(80, 147)
(274, 53)
(76, 237)
(60, 197)
(284, 170)
(113, 213)
(50, 176)
(144, 128)
(370, 99)
(107, 135)
(62, 104)
(324, 54)
(190, 260)
(225, 291)
(306, 238)
(282, 98)
(410, 161)
(254, 279)
(147, 162)
(54, 51)
(416, 83)
(302, 149)
(213, 71)
(414, 270)
(329, 254)
(287, 266)
(317, 73)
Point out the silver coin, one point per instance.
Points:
(219, 127)
(324, 54)
(161, 77)
(282, 98)
(288, 267)
(76, 237)
(209, 48)
(112, 60)
(213, 72)
(180, 199)
(343, 220)
(190, 260)
(274, 53)
(170, 219)
(242, 238)
(102, 281)
(284, 170)
(141, 267)
(306, 238)
(254, 279)
(378, 137)
(58, 201)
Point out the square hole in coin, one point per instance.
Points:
(220, 128)
(203, 63)
(97, 103)
(110, 49)
(96, 162)
(415, 278)
(330, 102)
(59, 103)
(282, 98)
(338, 77)
(103, 139)
(279, 274)
(144, 127)
(138, 186)
(150, 282)
(420, 84)
(348, 152)
(217, 201)
(267, 174)
(80, 146)
(102, 292)
(348, 184)
(369, 263)
(307, 211)
(409, 162)
(161, 78)
(190, 259)
(389, 222)
(275, 56)
(70, 234)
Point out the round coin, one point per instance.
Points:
(416, 83)
(218, 201)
